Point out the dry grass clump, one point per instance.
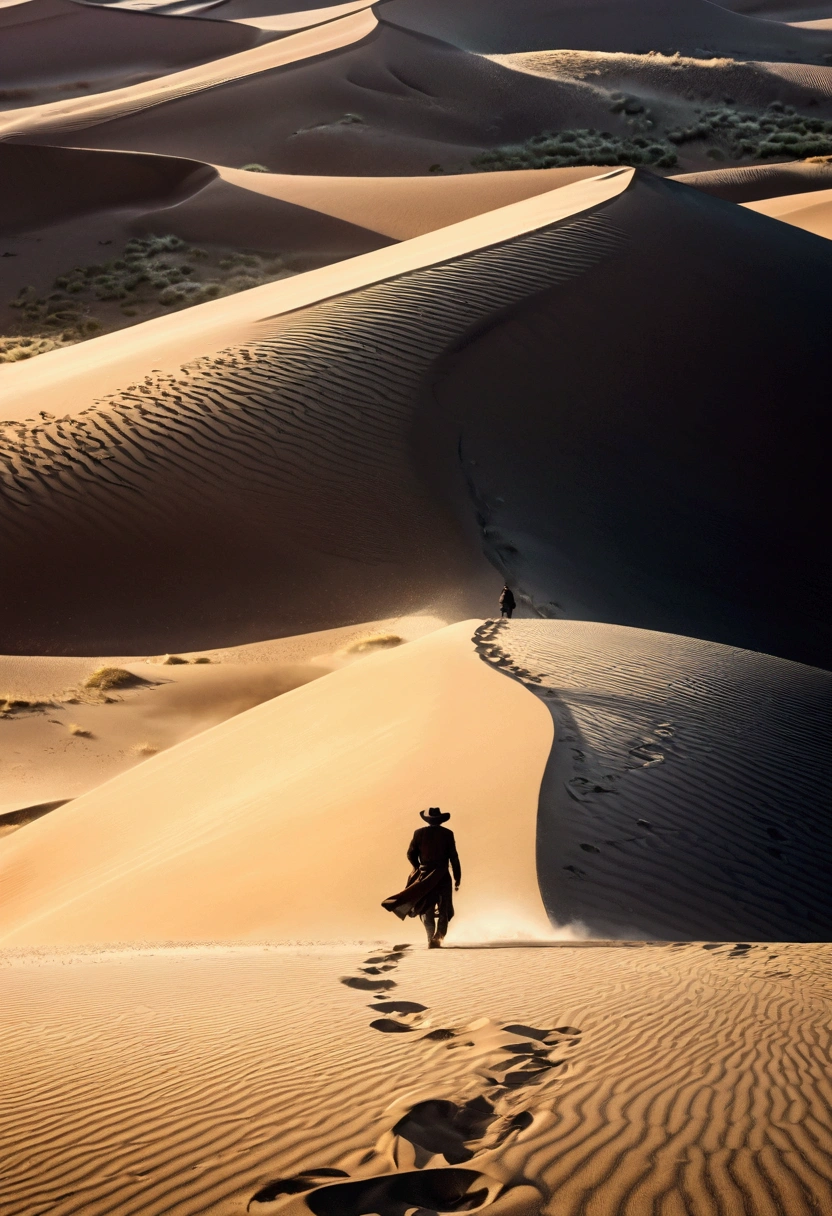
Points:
(375, 641)
(151, 276)
(173, 660)
(11, 704)
(144, 749)
(105, 678)
(80, 731)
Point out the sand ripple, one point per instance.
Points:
(686, 791)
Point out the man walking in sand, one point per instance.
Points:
(428, 891)
(507, 602)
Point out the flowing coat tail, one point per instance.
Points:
(426, 890)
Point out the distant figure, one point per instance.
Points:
(428, 891)
(507, 602)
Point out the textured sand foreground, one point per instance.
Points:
(682, 1080)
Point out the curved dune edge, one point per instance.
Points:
(103, 365)
(303, 20)
(812, 211)
(254, 828)
(685, 795)
(405, 207)
(78, 113)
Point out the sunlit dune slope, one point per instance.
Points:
(78, 113)
(252, 828)
(625, 436)
(394, 207)
(812, 212)
(606, 25)
(62, 733)
(287, 440)
(58, 46)
(685, 794)
(748, 183)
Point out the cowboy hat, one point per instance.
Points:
(434, 815)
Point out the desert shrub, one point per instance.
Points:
(254, 168)
(174, 660)
(559, 149)
(375, 641)
(11, 704)
(82, 732)
(104, 678)
(777, 131)
(203, 658)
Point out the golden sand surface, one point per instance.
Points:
(622, 1078)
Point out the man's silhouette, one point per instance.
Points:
(428, 891)
(507, 602)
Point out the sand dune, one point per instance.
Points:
(605, 25)
(61, 738)
(294, 20)
(49, 45)
(392, 104)
(812, 212)
(684, 795)
(187, 1080)
(749, 183)
(354, 755)
(54, 184)
(328, 518)
(83, 112)
(356, 480)
(404, 207)
(601, 499)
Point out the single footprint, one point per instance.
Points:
(397, 1007)
(295, 1185)
(440, 1126)
(390, 1026)
(366, 984)
(429, 1191)
(530, 1032)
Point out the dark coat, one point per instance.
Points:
(507, 599)
(432, 850)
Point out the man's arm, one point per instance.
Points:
(454, 860)
(413, 850)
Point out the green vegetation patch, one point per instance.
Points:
(560, 149)
(777, 131)
(151, 276)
